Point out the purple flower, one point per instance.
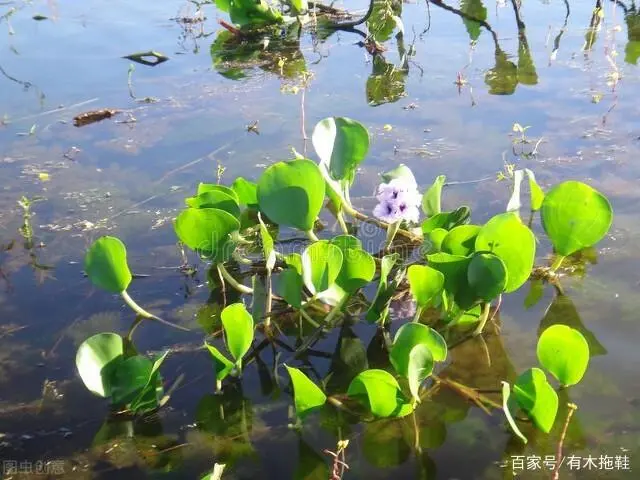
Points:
(399, 200)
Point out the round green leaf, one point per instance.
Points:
(246, 191)
(238, 328)
(575, 216)
(129, 378)
(420, 367)
(358, 269)
(206, 231)
(292, 193)
(408, 336)
(214, 187)
(341, 144)
(290, 280)
(346, 241)
(379, 391)
(454, 269)
(95, 358)
(460, 240)
(215, 199)
(537, 398)
(321, 265)
(508, 238)
(432, 198)
(106, 264)
(487, 276)
(425, 283)
(564, 352)
(307, 396)
(436, 236)
(221, 365)
(447, 220)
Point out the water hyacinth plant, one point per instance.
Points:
(456, 271)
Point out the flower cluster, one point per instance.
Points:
(399, 200)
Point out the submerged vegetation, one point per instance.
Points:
(455, 270)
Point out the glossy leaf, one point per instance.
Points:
(106, 264)
(537, 195)
(238, 327)
(290, 280)
(564, 352)
(267, 245)
(246, 191)
(307, 395)
(346, 241)
(292, 193)
(426, 284)
(215, 199)
(341, 144)
(221, 365)
(487, 276)
(321, 265)
(410, 335)
(460, 240)
(380, 304)
(400, 172)
(537, 398)
(207, 231)
(574, 216)
(436, 237)
(432, 198)
(507, 237)
(129, 378)
(447, 220)
(454, 269)
(214, 187)
(380, 392)
(506, 393)
(358, 266)
(419, 368)
(95, 357)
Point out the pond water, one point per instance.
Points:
(442, 98)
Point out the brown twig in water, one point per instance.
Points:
(339, 463)
(556, 471)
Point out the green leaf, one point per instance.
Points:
(400, 172)
(106, 264)
(454, 269)
(221, 365)
(267, 245)
(507, 237)
(215, 199)
(307, 395)
(223, 5)
(238, 327)
(575, 216)
(321, 265)
(537, 398)
(95, 357)
(151, 394)
(358, 266)
(246, 191)
(341, 144)
(506, 393)
(129, 378)
(487, 276)
(537, 195)
(290, 281)
(460, 240)
(214, 187)
(206, 231)
(564, 352)
(299, 6)
(380, 304)
(346, 241)
(410, 335)
(292, 193)
(419, 368)
(431, 200)
(436, 236)
(380, 392)
(426, 284)
(473, 9)
(447, 220)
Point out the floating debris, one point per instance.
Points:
(93, 116)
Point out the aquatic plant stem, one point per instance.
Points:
(342, 223)
(418, 314)
(556, 471)
(312, 236)
(365, 218)
(232, 281)
(144, 314)
(308, 318)
(483, 319)
(335, 310)
(269, 300)
(557, 262)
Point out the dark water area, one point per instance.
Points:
(442, 98)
